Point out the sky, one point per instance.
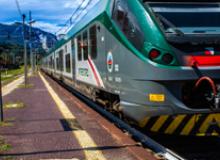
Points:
(50, 15)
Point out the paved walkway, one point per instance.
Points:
(8, 88)
(56, 125)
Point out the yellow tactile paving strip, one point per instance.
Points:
(82, 136)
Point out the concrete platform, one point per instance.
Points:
(56, 125)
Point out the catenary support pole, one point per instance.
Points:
(30, 42)
(25, 51)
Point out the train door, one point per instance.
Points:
(113, 64)
(90, 56)
(101, 52)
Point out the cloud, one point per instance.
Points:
(49, 14)
(72, 4)
(48, 27)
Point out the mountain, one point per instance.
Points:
(12, 34)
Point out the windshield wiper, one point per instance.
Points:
(204, 31)
(173, 28)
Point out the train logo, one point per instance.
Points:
(209, 51)
(110, 62)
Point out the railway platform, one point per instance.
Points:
(44, 121)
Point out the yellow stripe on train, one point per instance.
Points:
(185, 125)
(211, 120)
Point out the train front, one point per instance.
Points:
(187, 65)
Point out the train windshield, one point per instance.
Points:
(198, 18)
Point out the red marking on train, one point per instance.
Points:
(207, 60)
(94, 72)
(208, 53)
(110, 62)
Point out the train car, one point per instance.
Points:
(156, 63)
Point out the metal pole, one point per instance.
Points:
(35, 61)
(25, 51)
(1, 101)
(30, 41)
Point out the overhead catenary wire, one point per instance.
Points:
(18, 7)
(70, 19)
(79, 14)
(21, 15)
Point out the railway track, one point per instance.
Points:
(165, 147)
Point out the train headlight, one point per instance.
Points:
(167, 58)
(154, 54)
(162, 57)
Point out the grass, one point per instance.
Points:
(10, 75)
(10, 119)
(27, 86)
(4, 146)
(6, 124)
(13, 105)
(7, 158)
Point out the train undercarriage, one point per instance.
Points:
(201, 94)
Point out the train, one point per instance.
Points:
(154, 63)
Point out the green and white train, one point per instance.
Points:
(157, 63)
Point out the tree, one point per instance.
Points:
(9, 54)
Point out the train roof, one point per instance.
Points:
(94, 12)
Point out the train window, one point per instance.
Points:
(85, 45)
(61, 60)
(66, 48)
(93, 42)
(119, 12)
(57, 64)
(79, 48)
(67, 60)
(127, 22)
